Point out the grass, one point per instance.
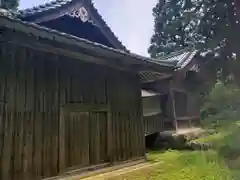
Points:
(175, 165)
(221, 163)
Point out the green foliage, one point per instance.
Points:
(10, 4)
(210, 26)
(226, 144)
(222, 103)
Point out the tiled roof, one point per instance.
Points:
(181, 58)
(44, 7)
(60, 3)
(37, 30)
(151, 76)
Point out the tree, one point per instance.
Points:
(222, 102)
(209, 25)
(9, 4)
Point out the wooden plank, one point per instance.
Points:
(120, 136)
(127, 136)
(30, 115)
(17, 146)
(45, 137)
(14, 152)
(79, 133)
(9, 118)
(55, 147)
(39, 117)
(62, 158)
(73, 140)
(110, 136)
(92, 138)
(124, 136)
(85, 124)
(48, 142)
(8, 139)
(37, 159)
(97, 139)
(102, 121)
(130, 134)
(67, 146)
(28, 145)
(2, 104)
(56, 115)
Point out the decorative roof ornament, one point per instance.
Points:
(80, 13)
(4, 12)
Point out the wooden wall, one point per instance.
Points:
(153, 124)
(58, 113)
(187, 109)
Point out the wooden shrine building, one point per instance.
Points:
(167, 102)
(66, 102)
(70, 92)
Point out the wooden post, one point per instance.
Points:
(172, 98)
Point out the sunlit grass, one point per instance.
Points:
(175, 165)
(216, 164)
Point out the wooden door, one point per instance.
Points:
(77, 139)
(83, 138)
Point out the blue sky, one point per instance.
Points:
(130, 20)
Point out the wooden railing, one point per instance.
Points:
(153, 124)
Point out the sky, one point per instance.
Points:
(130, 20)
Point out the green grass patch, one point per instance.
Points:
(221, 163)
(175, 165)
(226, 144)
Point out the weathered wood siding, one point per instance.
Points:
(153, 124)
(151, 105)
(187, 109)
(41, 134)
(152, 114)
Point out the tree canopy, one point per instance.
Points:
(9, 4)
(211, 26)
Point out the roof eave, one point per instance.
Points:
(92, 47)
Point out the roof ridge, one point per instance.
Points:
(49, 3)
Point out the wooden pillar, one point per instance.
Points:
(142, 124)
(173, 106)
